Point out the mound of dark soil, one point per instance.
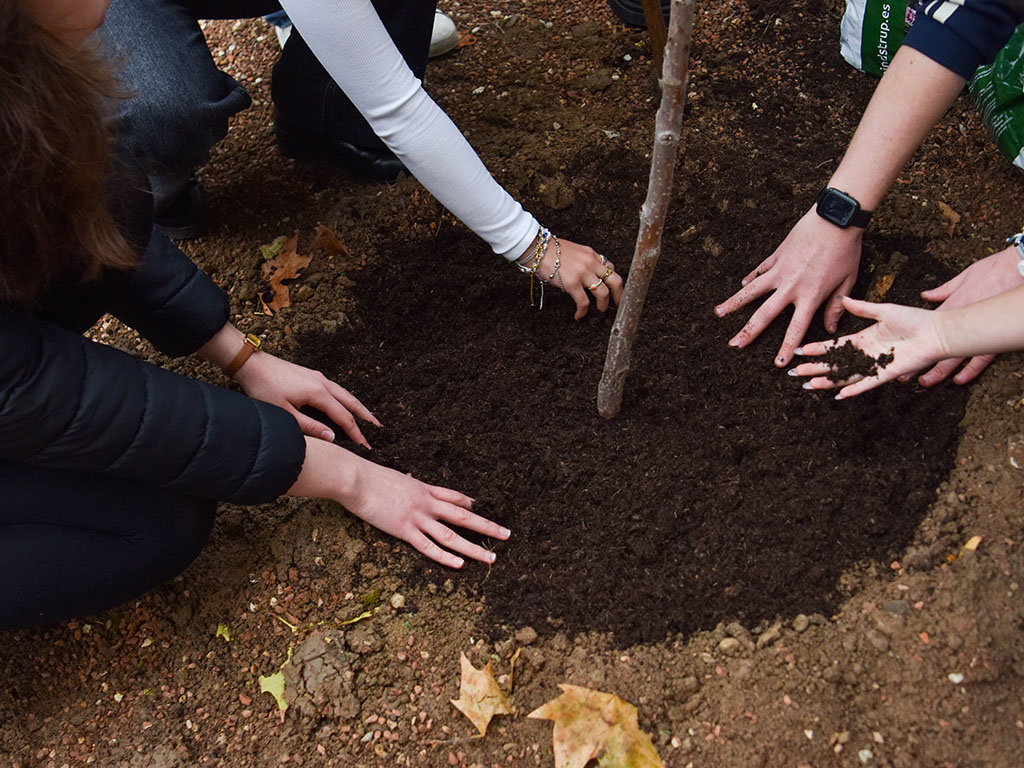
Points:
(723, 490)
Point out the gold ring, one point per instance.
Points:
(606, 274)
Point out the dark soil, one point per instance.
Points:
(847, 360)
(718, 492)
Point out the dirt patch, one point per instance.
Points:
(716, 495)
(662, 556)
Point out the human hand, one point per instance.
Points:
(910, 335)
(984, 278)
(816, 263)
(419, 513)
(576, 269)
(290, 386)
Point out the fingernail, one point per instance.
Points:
(327, 435)
(718, 311)
(840, 396)
(799, 351)
(733, 343)
(459, 562)
(807, 385)
(368, 446)
(491, 557)
(792, 372)
(780, 361)
(505, 532)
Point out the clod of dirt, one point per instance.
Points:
(319, 680)
(847, 360)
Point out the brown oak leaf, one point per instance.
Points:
(593, 725)
(328, 240)
(480, 698)
(286, 265)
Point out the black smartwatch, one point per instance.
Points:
(841, 209)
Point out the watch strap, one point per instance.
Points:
(860, 218)
(250, 344)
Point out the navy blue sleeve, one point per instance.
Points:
(168, 299)
(79, 405)
(962, 35)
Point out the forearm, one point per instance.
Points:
(914, 93)
(328, 472)
(352, 44)
(990, 326)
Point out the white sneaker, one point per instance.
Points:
(444, 36)
(283, 33)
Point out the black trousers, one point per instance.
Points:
(301, 87)
(181, 103)
(72, 545)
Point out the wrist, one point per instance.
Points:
(328, 472)
(841, 209)
(250, 345)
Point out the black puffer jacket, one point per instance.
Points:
(70, 403)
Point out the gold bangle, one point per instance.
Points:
(249, 345)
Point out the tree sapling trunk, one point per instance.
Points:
(668, 124)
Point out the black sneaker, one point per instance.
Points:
(369, 166)
(185, 218)
(631, 12)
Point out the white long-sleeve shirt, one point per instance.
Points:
(352, 44)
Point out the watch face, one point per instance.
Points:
(837, 207)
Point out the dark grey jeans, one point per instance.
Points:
(73, 545)
(180, 102)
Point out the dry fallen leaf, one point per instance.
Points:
(882, 286)
(328, 240)
(951, 216)
(480, 698)
(594, 725)
(286, 265)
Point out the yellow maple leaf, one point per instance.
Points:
(480, 698)
(594, 725)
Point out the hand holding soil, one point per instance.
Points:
(815, 264)
(903, 340)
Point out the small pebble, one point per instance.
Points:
(878, 640)
(801, 623)
(397, 601)
(729, 646)
(896, 606)
(526, 636)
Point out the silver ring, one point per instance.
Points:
(603, 259)
(594, 286)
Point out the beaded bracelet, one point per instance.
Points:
(531, 263)
(558, 263)
(536, 254)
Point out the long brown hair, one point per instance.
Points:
(55, 155)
